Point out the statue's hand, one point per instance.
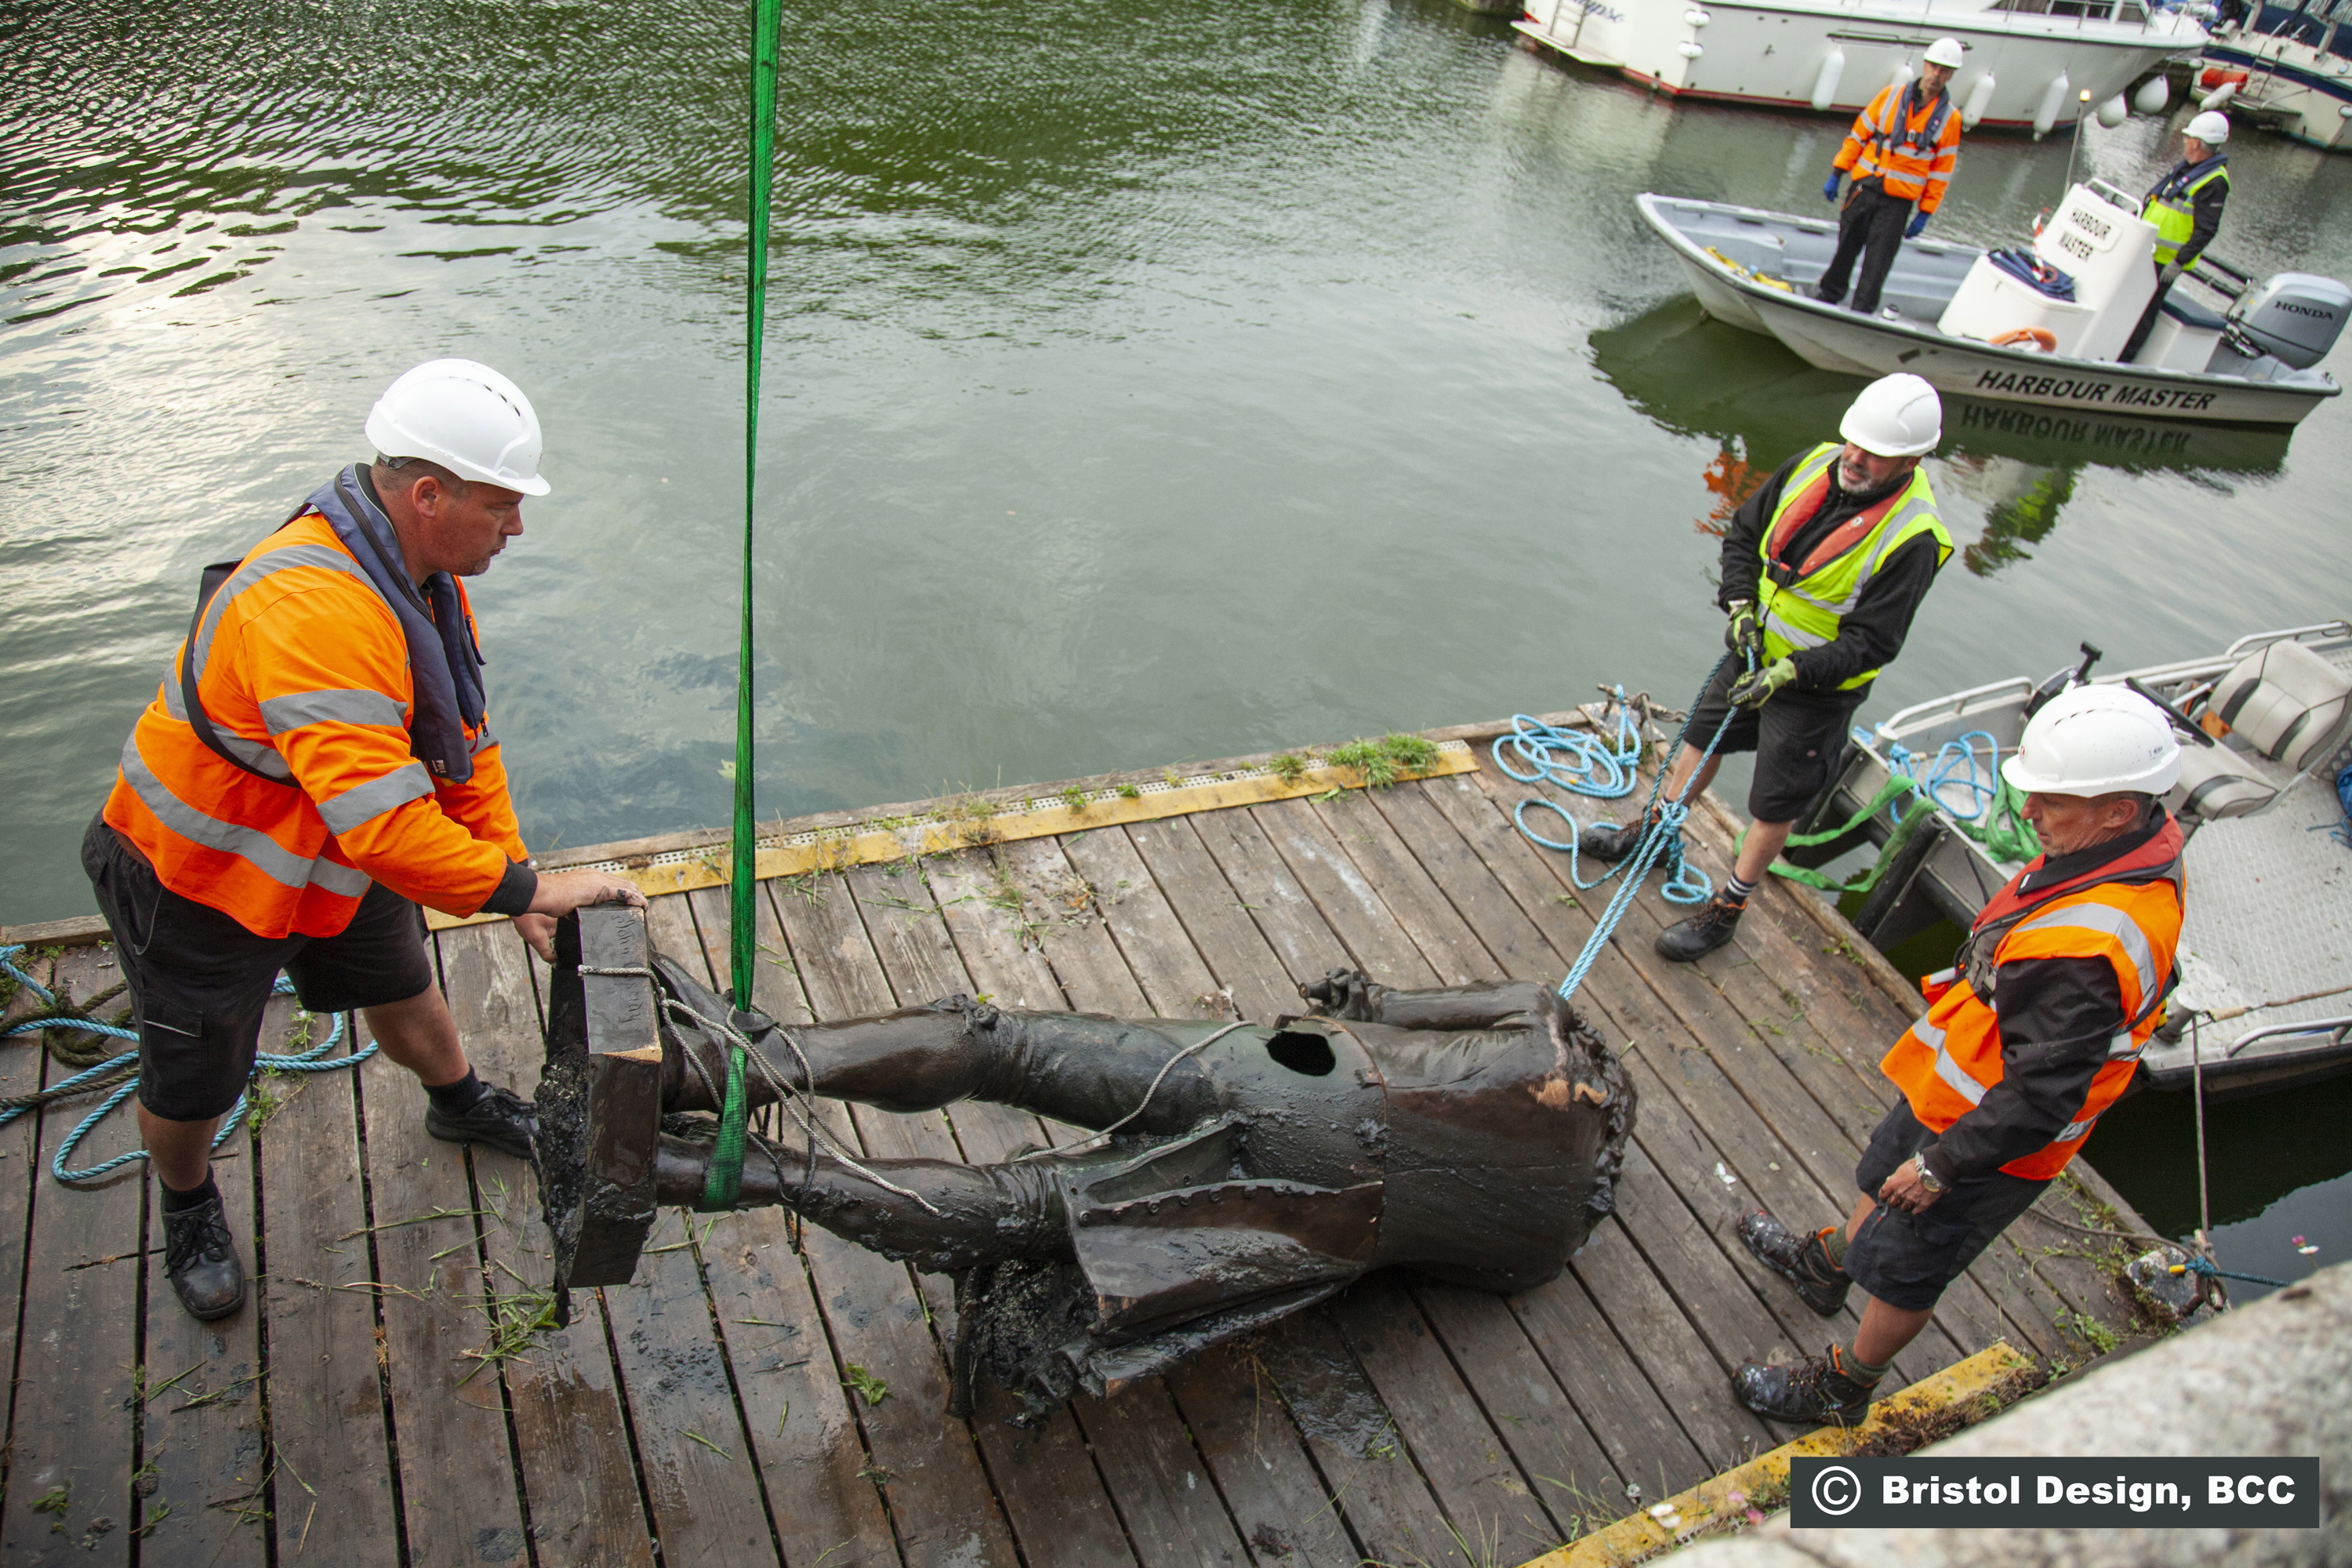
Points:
(1341, 994)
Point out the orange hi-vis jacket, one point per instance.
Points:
(304, 670)
(1915, 151)
(2126, 913)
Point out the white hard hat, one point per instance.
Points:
(1945, 52)
(2092, 741)
(1896, 417)
(465, 416)
(2212, 128)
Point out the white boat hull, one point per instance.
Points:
(1779, 54)
(2292, 86)
(1839, 340)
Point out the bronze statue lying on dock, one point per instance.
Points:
(1242, 1172)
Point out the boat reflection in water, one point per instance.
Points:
(1760, 402)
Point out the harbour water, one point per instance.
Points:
(1143, 383)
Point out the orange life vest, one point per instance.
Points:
(1915, 152)
(303, 670)
(2126, 913)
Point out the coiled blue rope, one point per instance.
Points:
(1981, 784)
(1661, 842)
(1579, 761)
(312, 1060)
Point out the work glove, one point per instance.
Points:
(1756, 687)
(1742, 632)
(1829, 191)
(1916, 226)
(2167, 275)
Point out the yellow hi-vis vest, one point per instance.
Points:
(2175, 214)
(1804, 610)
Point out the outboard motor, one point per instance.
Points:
(2294, 317)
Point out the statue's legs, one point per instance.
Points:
(941, 1216)
(1087, 1070)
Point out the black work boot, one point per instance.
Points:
(1695, 937)
(1817, 1389)
(200, 1259)
(501, 1119)
(1611, 845)
(1804, 1260)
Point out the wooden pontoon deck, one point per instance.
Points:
(710, 1411)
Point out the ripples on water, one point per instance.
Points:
(1143, 382)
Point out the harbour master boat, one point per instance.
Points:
(2034, 65)
(2265, 953)
(2041, 324)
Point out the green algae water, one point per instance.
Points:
(1142, 384)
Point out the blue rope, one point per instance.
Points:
(1578, 761)
(1983, 785)
(1661, 843)
(2197, 1265)
(312, 1060)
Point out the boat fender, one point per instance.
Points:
(2053, 101)
(1979, 99)
(2036, 340)
(1690, 51)
(1900, 77)
(2153, 95)
(2112, 113)
(2214, 76)
(2221, 96)
(1696, 18)
(1825, 84)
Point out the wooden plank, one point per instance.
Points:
(1052, 1498)
(579, 1472)
(1085, 961)
(1216, 922)
(430, 1288)
(1641, 1309)
(1404, 885)
(788, 1380)
(932, 1473)
(1626, 1414)
(22, 1063)
(1277, 1497)
(76, 1412)
(326, 1400)
(1490, 1502)
(1159, 951)
(202, 1440)
(1347, 903)
(1276, 904)
(703, 1484)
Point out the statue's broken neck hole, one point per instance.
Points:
(1302, 1052)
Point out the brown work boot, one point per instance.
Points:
(1818, 1389)
(1802, 1259)
(1716, 923)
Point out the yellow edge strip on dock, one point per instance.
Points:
(858, 844)
(1763, 1481)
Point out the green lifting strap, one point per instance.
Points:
(743, 887)
(724, 1182)
(1895, 786)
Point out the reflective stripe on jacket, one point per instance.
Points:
(1915, 151)
(2172, 205)
(304, 672)
(1800, 603)
(2128, 915)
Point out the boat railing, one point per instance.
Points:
(1954, 706)
(2340, 1028)
(2321, 632)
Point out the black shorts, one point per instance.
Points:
(199, 979)
(1797, 738)
(1906, 1259)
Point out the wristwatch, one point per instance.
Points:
(1927, 1178)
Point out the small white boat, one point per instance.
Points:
(2286, 72)
(2266, 949)
(2032, 65)
(1972, 326)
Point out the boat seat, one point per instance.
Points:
(2288, 703)
(2190, 313)
(2214, 784)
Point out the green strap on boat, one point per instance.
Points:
(743, 887)
(2006, 836)
(724, 1182)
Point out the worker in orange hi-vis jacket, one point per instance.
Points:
(317, 765)
(1902, 152)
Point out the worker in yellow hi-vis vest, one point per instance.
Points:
(1822, 570)
(2186, 207)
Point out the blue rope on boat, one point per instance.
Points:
(1983, 785)
(315, 1059)
(1661, 843)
